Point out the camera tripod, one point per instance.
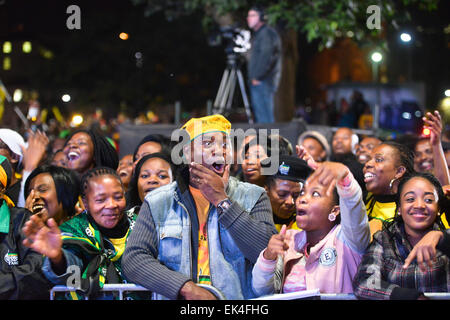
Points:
(227, 86)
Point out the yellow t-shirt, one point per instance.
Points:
(380, 210)
(444, 220)
(202, 206)
(292, 225)
(119, 245)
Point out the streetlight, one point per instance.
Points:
(405, 37)
(65, 98)
(376, 58)
(447, 93)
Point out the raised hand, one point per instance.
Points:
(433, 122)
(328, 173)
(35, 151)
(210, 183)
(43, 237)
(303, 154)
(277, 245)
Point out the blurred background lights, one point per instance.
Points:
(26, 47)
(65, 98)
(123, 35)
(405, 37)
(376, 57)
(17, 96)
(447, 93)
(77, 119)
(7, 47)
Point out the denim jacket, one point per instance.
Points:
(230, 270)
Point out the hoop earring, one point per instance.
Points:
(391, 183)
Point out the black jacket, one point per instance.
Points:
(20, 273)
(265, 56)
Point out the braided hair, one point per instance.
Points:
(405, 155)
(94, 173)
(443, 202)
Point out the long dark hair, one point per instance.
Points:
(105, 155)
(133, 193)
(443, 202)
(67, 184)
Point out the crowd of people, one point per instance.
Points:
(356, 214)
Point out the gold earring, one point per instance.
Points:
(391, 183)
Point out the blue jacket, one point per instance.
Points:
(167, 227)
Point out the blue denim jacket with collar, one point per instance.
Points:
(176, 226)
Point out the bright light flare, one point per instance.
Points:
(405, 37)
(376, 57)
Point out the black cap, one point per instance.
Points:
(292, 168)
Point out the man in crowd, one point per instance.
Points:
(264, 66)
(365, 147)
(316, 144)
(344, 145)
(199, 237)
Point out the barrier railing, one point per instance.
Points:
(129, 287)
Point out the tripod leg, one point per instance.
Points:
(232, 88)
(220, 92)
(244, 96)
(226, 92)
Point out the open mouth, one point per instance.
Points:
(301, 212)
(37, 208)
(363, 157)
(123, 174)
(73, 155)
(218, 167)
(426, 165)
(368, 177)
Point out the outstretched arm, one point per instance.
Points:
(434, 123)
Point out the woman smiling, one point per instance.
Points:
(388, 269)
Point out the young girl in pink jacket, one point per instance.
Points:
(326, 252)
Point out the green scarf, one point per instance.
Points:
(4, 217)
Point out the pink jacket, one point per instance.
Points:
(332, 263)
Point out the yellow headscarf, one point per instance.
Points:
(5, 178)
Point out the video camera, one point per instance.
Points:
(236, 40)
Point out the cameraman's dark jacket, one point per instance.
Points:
(265, 57)
(20, 275)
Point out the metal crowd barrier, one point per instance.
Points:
(121, 288)
(128, 287)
